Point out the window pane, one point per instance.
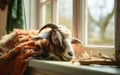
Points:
(65, 12)
(48, 13)
(100, 22)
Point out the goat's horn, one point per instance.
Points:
(50, 25)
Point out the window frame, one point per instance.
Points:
(54, 11)
(80, 22)
(117, 30)
(78, 27)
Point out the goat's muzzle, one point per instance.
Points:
(68, 56)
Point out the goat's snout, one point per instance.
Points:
(70, 53)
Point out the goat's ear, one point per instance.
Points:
(56, 37)
(75, 41)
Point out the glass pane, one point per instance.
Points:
(100, 22)
(65, 12)
(48, 13)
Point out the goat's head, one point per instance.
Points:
(60, 41)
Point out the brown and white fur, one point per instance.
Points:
(57, 42)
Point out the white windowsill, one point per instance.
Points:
(73, 69)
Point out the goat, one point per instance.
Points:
(57, 42)
(53, 44)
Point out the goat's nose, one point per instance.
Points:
(70, 53)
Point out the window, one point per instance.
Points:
(65, 12)
(90, 26)
(45, 7)
(84, 18)
(56, 11)
(100, 22)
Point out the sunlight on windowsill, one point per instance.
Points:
(68, 68)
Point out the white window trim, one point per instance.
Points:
(79, 11)
(42, 11)
(54, 12)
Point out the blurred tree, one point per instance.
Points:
(100, 20)
(102, 23)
